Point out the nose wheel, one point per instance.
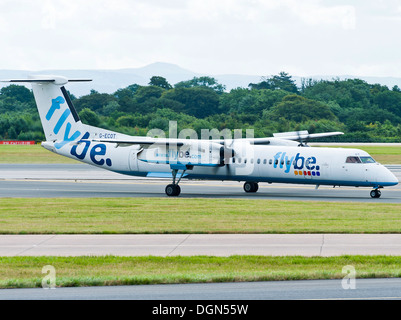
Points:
(375, 193)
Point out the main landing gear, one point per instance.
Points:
(174, 190)
(251, 187)
(375, 193)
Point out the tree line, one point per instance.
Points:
(364, 112)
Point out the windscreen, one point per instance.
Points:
(367, 160)
(353, 159)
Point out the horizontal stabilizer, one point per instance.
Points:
(46, 79)
(28, 81)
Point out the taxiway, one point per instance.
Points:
(81, 180)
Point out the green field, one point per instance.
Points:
(30, 154)
(165, 215)
(37, 154)
(17, 272)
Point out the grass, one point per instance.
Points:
(30, 154)
(37, 154)
(24, 272)
(165, 215)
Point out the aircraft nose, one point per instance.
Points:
(390, 178)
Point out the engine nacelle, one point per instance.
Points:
(195, 153)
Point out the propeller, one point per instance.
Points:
(226, 152)
(303, 141)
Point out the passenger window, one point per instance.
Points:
(270, 161)
(258, 161)
(353, 160)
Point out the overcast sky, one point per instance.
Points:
(256, 37)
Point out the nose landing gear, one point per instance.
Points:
(375, 193)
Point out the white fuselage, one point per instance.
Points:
(258, 163)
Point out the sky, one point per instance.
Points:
(251, 37)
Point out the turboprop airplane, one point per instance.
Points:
(283, 158)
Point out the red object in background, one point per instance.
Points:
(18, 142)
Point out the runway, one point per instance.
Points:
(323, 245)
(365, 289)
(81, 180)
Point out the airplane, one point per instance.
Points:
(283, 158)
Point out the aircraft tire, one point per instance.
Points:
(173, 190)
(251, 187)
(375, 193)
(256, 187)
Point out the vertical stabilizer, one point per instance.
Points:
(59, 118)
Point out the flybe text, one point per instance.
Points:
(97, 152)
(297, 162)
(56, 105)
(174, 154)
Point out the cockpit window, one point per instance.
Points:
(367, 160)
(353, 160)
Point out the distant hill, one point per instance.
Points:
(109, 81)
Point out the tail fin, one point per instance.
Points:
(59, 118)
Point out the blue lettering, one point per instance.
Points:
(276, 157)
(98, 150)
(85, 150)
(55, 105)
(61, 121)
(282, 160)
(297, 159)
(310, 163)
(66, 138)
(288, 164)
(298, 162)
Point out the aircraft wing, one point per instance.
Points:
(304, 135)
(256, 141)
(138, 141)
(286, 136)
